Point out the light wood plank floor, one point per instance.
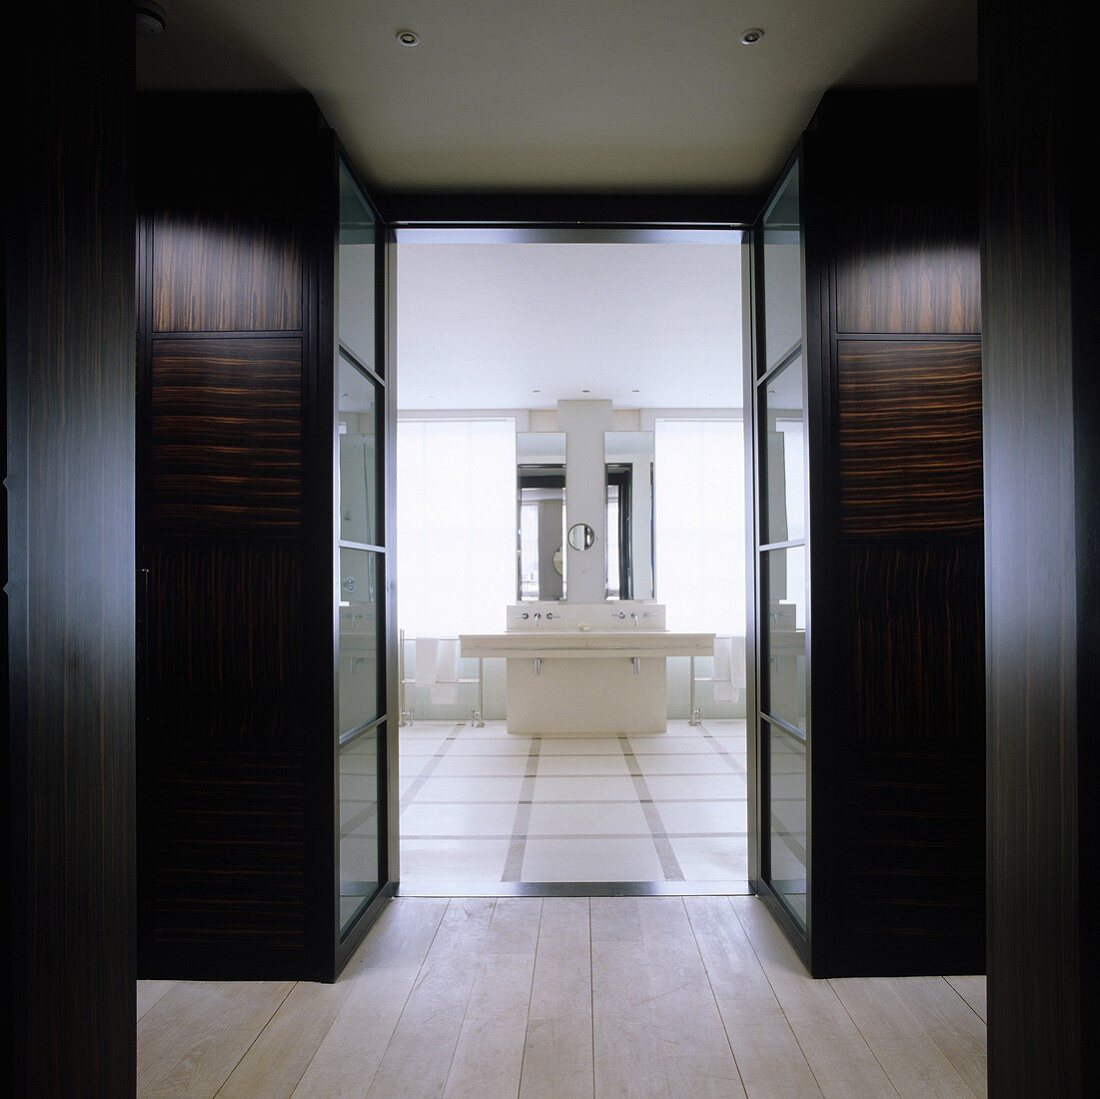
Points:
(653, 996)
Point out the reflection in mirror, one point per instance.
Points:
(581, 536)
(540, 479)
(628, 458)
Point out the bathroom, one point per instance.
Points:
(570, 476)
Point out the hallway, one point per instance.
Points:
(669, 996)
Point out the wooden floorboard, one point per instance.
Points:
(915, 1064)
(566, 998)
(972, 990)
(842, 1062)
(150, 993)
(195, 1035)
(768, 1056)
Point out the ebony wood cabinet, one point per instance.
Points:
(868, 429)
(245, 286)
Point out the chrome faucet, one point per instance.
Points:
(634, 617)
(538, 616)
(621, 614)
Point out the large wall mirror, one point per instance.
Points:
(628, 462)
(540, 525)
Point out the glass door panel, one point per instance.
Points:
(361, 561)
(360, 824)
(782, 611)
(786, 819)
(360, 520)
(782, 281)
(783, 455)
(783, 635)
(356, 267)
(360, 638)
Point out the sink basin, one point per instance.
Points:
(587, 644)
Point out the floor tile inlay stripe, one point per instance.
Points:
(432, 763)
(670, 864)
(513, 862)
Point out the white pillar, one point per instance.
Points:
(584, 424)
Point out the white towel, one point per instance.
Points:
(445, 688)
(723, 683)
(427, 660)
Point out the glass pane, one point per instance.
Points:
(782, 273)
(541, 532)
(783, 635)
(787, 819)
(360, 637)
(358, 474)
(359, 824)
(784, 464)
(356, 267)
(629, 461)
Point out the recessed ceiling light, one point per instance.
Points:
(635, 391)
(751, 36)
(586, 390)
(151, 19)
(411, 38)
(536, 390)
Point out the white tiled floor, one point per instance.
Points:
(480, 806)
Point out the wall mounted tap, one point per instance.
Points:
(621, 614)
(634, 618)
(538, 617)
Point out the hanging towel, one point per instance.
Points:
(427, 660)
(723, 683)
(445, 688)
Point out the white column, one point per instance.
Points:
(584, 424)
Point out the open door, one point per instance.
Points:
(366, 645)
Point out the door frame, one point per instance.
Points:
(633, 218)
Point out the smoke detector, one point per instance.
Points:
(751, 36)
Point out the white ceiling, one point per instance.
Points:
(483, 325)
(563, 94)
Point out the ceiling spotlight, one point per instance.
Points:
(751, 36)
(635, 391)
(411, 38)
(151, 19)
(586, 390)
(536, 390)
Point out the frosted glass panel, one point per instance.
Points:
(456, 525)
(699, 522)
